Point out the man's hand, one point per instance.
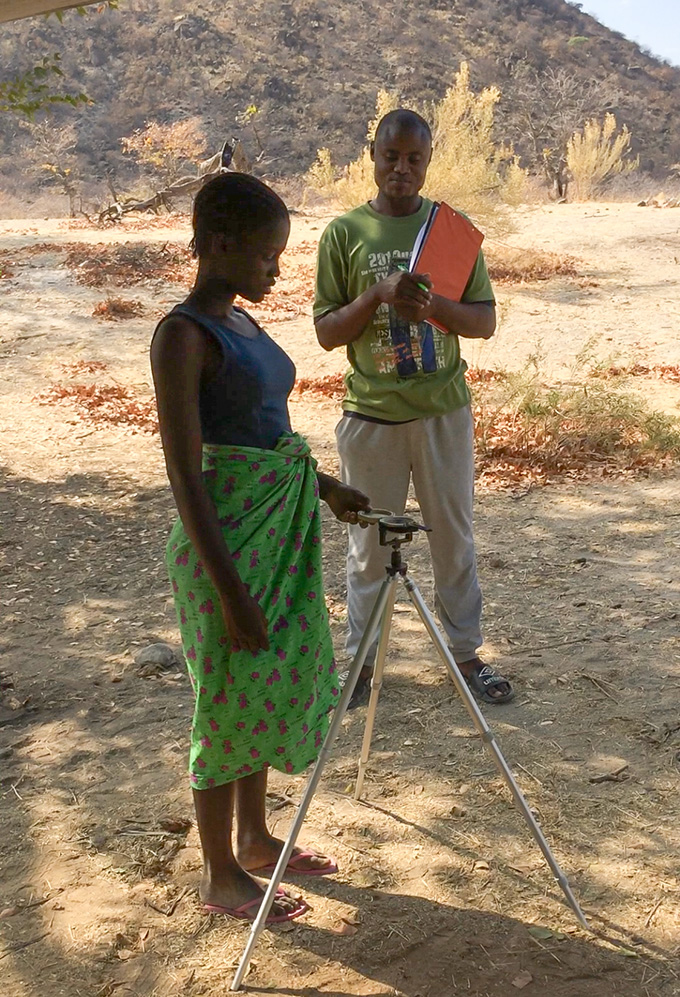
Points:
(346, 502)
(245, 622)
(405, 291)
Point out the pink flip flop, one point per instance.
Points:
(248, 911)
(329, 869)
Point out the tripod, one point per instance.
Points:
(394, 532)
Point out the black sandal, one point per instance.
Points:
(484, 678)
(361, 691)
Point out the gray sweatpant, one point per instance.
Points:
(439, 454)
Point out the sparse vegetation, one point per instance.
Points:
(113, 309)
(469, 168)
(597, 153)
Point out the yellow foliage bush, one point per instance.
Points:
(468, 169)
(166, 149)
(596, 153)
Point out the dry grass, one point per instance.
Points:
(530, 433)
(522, 266)
(128, 263)
(105, 404)
(114, 309)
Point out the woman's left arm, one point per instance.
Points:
(345, 502)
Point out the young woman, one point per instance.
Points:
(244, 556)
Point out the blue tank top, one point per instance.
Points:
(245, 404)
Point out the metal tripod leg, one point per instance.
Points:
(367, 639)
(376, 683)
(489, 740)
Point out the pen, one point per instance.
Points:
(423, 287)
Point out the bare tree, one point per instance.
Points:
(52, 157)
(546, 108)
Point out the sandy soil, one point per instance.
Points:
(442, 888)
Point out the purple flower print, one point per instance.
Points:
(199, 635)
(206, 742)
(243, 701)
(281, 654)
(294, 676)
(305, 728)
(191, 653)
(238, 456)
(317, 739)
(183, 616)
(280, 750)
(198, 570)
(293, 701)
(289, 601)
(309, 570)
(240, 725)
(298, 477)
(214, 726)
(175, 586)
(289, 766)
(203, 691)
(298, 541)
(207, 607)
(207, 665)
(194, 778)
(276, 592)
(274, 677)
(281, 624)
(254, 753)
(316, 541)
(268, 479)
(271, 532)
(236, 556)
(247, 504)
(211, 782)
(182, 559)
(229, 485)
(304, 649)
(254, 676)
(230, 679)
(254, 559)
(220, 697)
(260, 728)
(283, 727)
(269, 706)
(201, 763)
(302, 620)
(311, 596)
(191, 596)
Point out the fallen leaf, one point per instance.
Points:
(482, 867)
(537, 932)
(522, 980)
(124, 954)
(175, 825)
(343, 928)
(9, 912)
(351, 918)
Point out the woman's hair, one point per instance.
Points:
(234, 203)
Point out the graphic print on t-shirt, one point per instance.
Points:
(401, 347)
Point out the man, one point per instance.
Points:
(406, 412)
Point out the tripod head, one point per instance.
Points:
(397, 530)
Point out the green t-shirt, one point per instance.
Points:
(399, 371)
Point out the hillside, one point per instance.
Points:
(313, 69)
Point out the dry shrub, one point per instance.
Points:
(330, 386)
(521, 266)
(79, 367)
(105, 404)
(128, 263)
(662, 371)
(528, 432)
(167, 150)
(114, 309)
(596, 154)
(468, 169)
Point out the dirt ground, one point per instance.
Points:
(441, 889)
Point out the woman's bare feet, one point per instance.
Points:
(259, 851)
(237, 889)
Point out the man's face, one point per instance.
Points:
(401, 157)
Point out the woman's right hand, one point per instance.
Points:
(245, 622)
(403, 288)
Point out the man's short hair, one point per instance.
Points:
(403, 119)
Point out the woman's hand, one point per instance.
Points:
(346, 502)
(245, 622)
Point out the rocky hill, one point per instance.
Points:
(312, 68)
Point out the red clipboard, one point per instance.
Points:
(446, 248)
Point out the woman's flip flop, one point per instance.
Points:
(248, 911)
(329, 869)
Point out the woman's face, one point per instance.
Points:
(250, 264)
